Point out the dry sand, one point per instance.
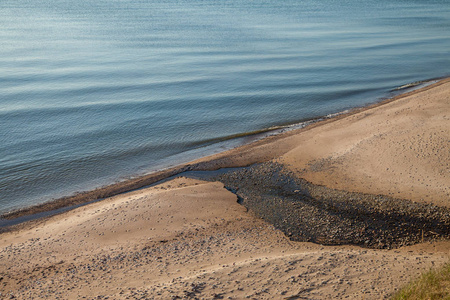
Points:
(188, 239)
(399, 149)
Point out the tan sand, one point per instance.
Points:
(187, 239)
(190, 238)
(400, 149)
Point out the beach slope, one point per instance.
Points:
(191, 239)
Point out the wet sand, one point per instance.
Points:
(188, 238)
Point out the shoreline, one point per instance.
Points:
(274, 230)
(230, 158)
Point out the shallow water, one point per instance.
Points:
(92, 92)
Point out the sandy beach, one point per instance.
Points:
(351, 207)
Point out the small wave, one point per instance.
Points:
(415, 84)
(272, 130)
(238, 135)
(407, 86)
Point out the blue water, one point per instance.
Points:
(95, 91)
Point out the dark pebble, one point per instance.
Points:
(313, 213)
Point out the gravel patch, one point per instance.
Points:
(312, 213)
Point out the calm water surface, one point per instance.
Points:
(92, 92)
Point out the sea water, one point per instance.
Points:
(96, 91)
